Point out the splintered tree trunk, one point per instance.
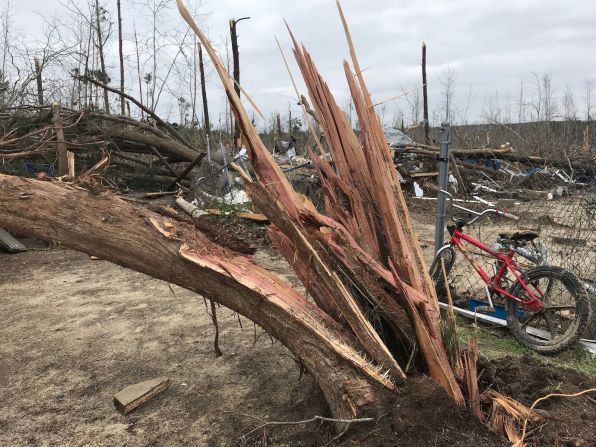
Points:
(363, 254)
(206, 122)
(114, 230)
(61, 144)
(425, 96)
(39, 80)
(373, 303)
(236, 68)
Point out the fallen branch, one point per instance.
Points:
(148, 111)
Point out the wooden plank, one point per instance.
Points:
(10, 243)
(135, 395)
(423, 174)
(257, 217)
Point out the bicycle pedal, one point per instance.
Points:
(485, 309)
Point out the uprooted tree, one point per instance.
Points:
(370, 314)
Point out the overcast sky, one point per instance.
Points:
(489, 44)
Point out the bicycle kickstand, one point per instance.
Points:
(490, 308)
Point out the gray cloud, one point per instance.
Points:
(489, 44)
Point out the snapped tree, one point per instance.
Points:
(370, 315)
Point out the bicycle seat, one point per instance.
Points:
(519, 235)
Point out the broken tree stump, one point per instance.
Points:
(133, 396)
(62, 148)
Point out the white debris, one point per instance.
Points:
(236, 197)
(453, 182)
(418, 191)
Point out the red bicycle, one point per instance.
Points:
(547, 308)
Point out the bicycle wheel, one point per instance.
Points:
(565, 315)
(436, 272)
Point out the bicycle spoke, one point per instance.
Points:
(546, 297)
(551, 325)
(529, 320)
(560, 307)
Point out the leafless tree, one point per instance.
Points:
(447, 80)
(121, 54)
(521, 106)
(415, 104)
(589, 86)
(569, 107)
(101, 15)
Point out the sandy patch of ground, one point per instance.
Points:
(76, 331)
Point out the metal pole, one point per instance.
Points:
(443, 185)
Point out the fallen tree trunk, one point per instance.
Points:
(499, 153)
(165, 145)
(117, 231)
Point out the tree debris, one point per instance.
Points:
(133, 396)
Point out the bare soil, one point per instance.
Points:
(75, 331)
(566, 421)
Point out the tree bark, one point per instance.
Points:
(62, 148)
(165, 145)
(117, 231)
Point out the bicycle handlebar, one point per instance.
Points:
(476, 213)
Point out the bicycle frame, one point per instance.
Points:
(458, 238)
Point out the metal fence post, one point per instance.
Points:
(443, 185)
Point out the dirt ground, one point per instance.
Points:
(75, 331)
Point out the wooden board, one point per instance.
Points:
(135, 395)
(258, 217)
(253, 216)
(10, 243)
(423, 174)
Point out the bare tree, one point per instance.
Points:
(140, 81)
(491, 110)
(569, 107)
(550, 107)
(521, 107)
(415, 103)
(589, 86)
(447, 80)
(121, 54)
(101, 16)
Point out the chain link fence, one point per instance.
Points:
(565, 218)
(554, 197)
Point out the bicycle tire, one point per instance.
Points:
(578, 322)
(436, 272)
